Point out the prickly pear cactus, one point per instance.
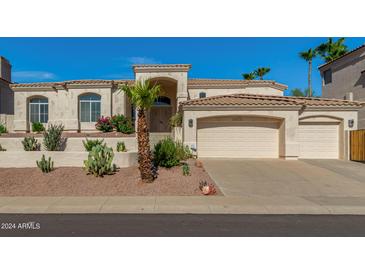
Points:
(100, 161)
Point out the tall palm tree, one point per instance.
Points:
(308, 56)
(331, 50)
(249, 76)
(261, 72)
(142, 95)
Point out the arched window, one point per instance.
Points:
(202, 95)
(162, 101)
(38, 110)
(90, 105)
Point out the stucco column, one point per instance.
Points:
(20, 111)
(288, 132)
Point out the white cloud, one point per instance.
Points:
(30, 75)
(142, 60)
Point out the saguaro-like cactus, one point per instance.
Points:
(45, 165)
(100, 161)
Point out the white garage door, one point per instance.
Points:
(238, 137)
(319, 141)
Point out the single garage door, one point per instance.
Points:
(238, 137)
(319, 140)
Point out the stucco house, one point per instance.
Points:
(344, 78)
(221, 118)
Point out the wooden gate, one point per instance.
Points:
(357, 145)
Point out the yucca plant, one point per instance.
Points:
(53, 140)
(186, 169)
(30, 144)
(45, 165)
(100, 161)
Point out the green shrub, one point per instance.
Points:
(176, 120)
(183, 152)
(186, 169)
(121, 147)
(2, 149)
(45, 165)
(164, 153)
(122, 124)
(3, 129)
(99, 161)
(30, 144)
(53, 140)
(104, 124)
(89, 144)
(37, 127)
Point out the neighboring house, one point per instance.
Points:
(221, 118)
(344, 78)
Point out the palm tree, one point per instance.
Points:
(249, 76)
(142, 95)
(299, 93)
(308, 56)
(331, 50)
(261, 72)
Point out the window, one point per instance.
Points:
(38, 110)
(327, 76)
(202, 95)
(162, 101)
(89, 108)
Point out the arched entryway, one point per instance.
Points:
(164, 107)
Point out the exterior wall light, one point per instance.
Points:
(351, 123)
(190, 122)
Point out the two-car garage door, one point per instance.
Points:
(238, 137)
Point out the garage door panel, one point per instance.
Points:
(238, 138)
(319, 141)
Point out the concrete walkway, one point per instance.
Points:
(179, 204)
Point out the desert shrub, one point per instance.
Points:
(45, 165)
(89, 144)
(122, 124)
(53, 140)
(1, 148)
(3, 128)
(186, 169)
(176, 120)
(183, 152)
(164, 153)
(30, 144)
(121, 147)
(37, 127)
(100, 161)
(104, 124)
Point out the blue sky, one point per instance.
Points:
(58, 59)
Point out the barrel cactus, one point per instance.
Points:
(100, 161)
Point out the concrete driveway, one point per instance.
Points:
(313, 179)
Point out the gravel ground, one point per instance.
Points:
(73, 181)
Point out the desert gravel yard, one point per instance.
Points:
(73, 181)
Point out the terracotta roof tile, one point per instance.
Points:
(266, 100)
(162, 65)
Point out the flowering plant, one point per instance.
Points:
(104, 124)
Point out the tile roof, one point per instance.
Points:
(346, 54)
(71, 82)
(268, 100)
(162, 65)
(232, 83)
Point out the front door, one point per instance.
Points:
(160, 116)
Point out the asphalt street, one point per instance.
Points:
(180, 225)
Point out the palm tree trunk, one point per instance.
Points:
(310, 78)
(144, 151)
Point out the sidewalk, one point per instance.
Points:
(186, 204)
